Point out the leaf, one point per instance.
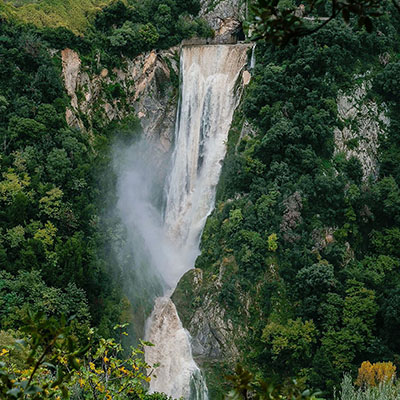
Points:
(71, 318)
(22, 384)
(33, 389)
(14, 392)
(21, 342)
(144, 343)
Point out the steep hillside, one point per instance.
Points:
(56, 185)
(299, 269)
(72, 14)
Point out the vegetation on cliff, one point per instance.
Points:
(51, 247)
(301, 249)
(71, 14)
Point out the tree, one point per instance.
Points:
(348, 342)
(374, 374)
(280, 21)
(52, 356)
(291, 343)
(52, 365)
(247, 386)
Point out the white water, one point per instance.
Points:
(209, 77)
(178, 375)
(253, 58)
(208, 100)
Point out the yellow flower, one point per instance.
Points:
(147, 379)
(100, 387)
(106, 359)
(92, 367)
(4, 352)
(81, 382)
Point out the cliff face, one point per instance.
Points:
(144, 87)
(217, 333)
(220, 13)
(364, 123)
(147, 86)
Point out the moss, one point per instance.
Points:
(183, 296)
(174, 78)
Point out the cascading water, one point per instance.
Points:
(209, 96)
(253, 58)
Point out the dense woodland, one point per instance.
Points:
(297, 226)
(297, 229)
(54, 258)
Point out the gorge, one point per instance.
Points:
(159, 185)
(211, 84)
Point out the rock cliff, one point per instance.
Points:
(146, 87)
(363, 123)
(220, 14)
(217, 337)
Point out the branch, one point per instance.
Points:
(334, 14)
(310, 31)
(48, 348)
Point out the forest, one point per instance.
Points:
(308, 232)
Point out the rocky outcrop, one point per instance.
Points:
(71, 64)
(223, 15)
(144, 87)
(364, 122)
(213, 333)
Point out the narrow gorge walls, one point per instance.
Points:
(211, 83)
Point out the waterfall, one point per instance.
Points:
(210, 79)
(253, 58)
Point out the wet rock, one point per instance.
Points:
(213, 333)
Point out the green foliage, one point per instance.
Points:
(272, 242)
(48, 213)
(72, 14)
(106, 29)
(108, 375)
(290, 344)
(27, 292)
(336, 260)
(385, 391)
(48, 363)
(136, 27)
(282, 21)
(246, 386)
(52, 356)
